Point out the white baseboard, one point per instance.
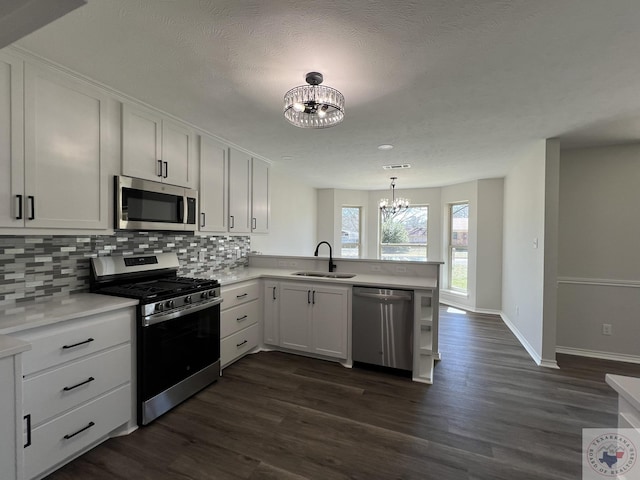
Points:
(527, 346)
(618, 357)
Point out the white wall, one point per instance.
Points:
(293, 217)
(488, 280)
(523, 265)
(598, 265)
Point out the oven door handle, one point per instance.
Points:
(163, 317)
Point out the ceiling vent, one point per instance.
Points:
(399, 166)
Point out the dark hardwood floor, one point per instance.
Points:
(490, 414)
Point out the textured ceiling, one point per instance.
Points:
(459, 87)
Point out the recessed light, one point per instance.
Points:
(385, 146)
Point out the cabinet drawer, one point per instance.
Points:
(49, 447)
(63, 342)
(237, 318)
(236, 345)
(45, 394)
(242, 293)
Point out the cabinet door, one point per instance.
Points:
(330, 321)
(213, 185)
(11, 142)
(259, 196)
(65, 176)
(177, 154)
(141, 143)
(270, 317)
(295, 310)
(239, 170)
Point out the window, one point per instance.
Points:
(458, 246)
(351, 226)
(403, 235)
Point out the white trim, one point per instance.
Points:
(600, 282)
(618, 357)
(454, 292)
(468, 308)
(527, 346)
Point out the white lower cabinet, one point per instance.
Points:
(239, 328)
(76, 387)
(271, 312)
(314, 318)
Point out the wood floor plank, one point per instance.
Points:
(491, 414)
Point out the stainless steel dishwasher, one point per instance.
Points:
(382, 322)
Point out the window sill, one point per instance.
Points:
(455, 293)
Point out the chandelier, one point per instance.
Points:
(389, 208)
(313, 105)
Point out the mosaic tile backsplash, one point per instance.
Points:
(34, 268)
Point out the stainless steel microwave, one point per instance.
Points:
(147, 205)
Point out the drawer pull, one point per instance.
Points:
(88, 340)
(241, 343)
(28, 420)
(90, 379)
(242, 318)
(241, 296)
(68, 436)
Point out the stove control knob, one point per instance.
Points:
(159, 307)
(203, 295)
(171, 304)
(188, 299)
(212, 293)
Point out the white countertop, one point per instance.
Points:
(12, 346)
(364, 279)
(55, 310)
(627, 387)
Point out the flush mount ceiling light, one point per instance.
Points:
(385, 146)
(313, 105)
(390, 208)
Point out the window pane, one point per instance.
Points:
(350, 247)
(458, 246)
(404, 234)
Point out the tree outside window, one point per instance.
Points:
(403, 235)
(351, 229)
(458, 246)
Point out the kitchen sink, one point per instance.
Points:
(325, 274)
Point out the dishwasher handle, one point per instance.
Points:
(403, 297)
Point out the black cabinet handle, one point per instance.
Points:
(241, 296)
(88, 340)
(28, 420)
(254, 223)
(203, 219)
(71, 435)
(240, 319)
(19, 207)
(88, 380)
(159, 168)
(241, 343)
(32, 203)
(274, 293)
(166, 169)
(232, 221)
(308, 296)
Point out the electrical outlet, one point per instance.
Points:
(201, 256)
(607, 329)
(293, 264)
(375, 268)
(517, 310)
(401, 269)
(282, 263)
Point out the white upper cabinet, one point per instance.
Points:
(214, 167)
(156, 148)
(239, 175)
(259, 196)
(59, 179)
(11, 142)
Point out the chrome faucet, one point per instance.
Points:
(332, 265)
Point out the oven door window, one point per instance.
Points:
(176, 349)
(145, 206)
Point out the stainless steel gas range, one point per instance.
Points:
(178, 327)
